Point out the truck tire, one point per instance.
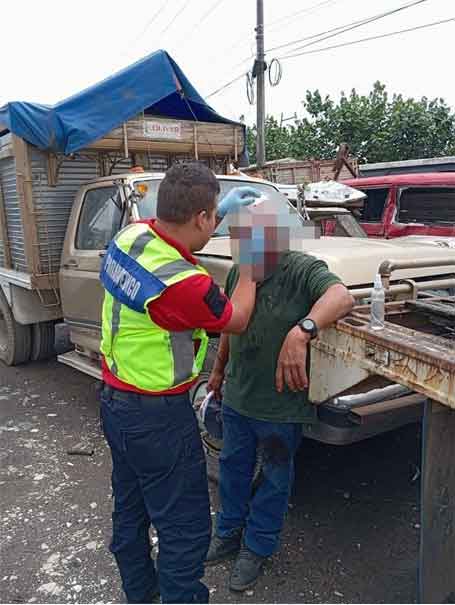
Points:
(15, 338)
(43, 340)
(212, 447)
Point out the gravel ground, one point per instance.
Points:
(351, 534)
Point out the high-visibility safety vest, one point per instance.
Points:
(137, 269)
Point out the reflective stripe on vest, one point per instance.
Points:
(137, 268)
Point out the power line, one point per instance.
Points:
(277, 21)
(149, 23)
(210, 11)
(271, 25)
(144, 30)
(394, 33)
(177, 14)
(333, 32)
(206, 15)
(309, 9)
(352, 42)
(336, 31)
(215, 92)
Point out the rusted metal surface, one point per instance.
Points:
(415, 358)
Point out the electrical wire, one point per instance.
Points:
(150, 21)
(309, 9)
(210, 11)
(177, 14)
(386, 35)
(338, 30)
(346, 27)
(271, 25)
(189, 34)
(218, 90)
(335, 31)
(144, 30)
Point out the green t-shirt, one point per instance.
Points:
(281, 300)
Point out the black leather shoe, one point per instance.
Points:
(247, 570)
(223, 548)
(152, 597)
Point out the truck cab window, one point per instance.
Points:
(374, 205)
(100, 218)
(427, 205)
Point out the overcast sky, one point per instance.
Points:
(51, 50)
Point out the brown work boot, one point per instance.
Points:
(223, 548)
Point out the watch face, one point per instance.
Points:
(308, 325)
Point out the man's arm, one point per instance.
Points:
(242, 301)
(334, 304)
(216, 377)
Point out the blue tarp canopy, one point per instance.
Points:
(155, 85)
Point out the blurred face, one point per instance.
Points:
(260, 233)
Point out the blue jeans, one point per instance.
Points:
(158, 477)
(261, 513)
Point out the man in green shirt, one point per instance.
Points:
(265, 398)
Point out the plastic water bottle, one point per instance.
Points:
(377, 314)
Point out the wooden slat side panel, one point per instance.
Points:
(207, 138)
(6, 250)
(52, 205)
(26, 206)
(301, 171)
(13, 215)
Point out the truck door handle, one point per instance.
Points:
(71, 264)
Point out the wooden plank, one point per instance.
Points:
(437, 534)
(196, 153)
(25, 194)
(161, 147)
(4, 232)
(6, 151)
(236, 145)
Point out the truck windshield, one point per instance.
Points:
(148, 192)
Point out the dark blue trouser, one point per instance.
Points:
(158, 477)
(262, 513)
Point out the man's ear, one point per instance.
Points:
(200, 219)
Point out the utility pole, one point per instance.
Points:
(259, 70)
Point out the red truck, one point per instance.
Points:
(406, 204)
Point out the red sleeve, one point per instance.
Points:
(195, 302)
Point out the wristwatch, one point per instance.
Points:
(309, 326)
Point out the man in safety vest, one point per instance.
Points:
(158, 305)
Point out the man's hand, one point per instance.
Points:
(215, 383)
(291, 367)
(236, 198)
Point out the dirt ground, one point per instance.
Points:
(351, 534)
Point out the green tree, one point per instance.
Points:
(376, 127)
(277, 140)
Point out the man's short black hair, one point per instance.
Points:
(186, 190)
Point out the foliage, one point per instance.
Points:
(376, 127)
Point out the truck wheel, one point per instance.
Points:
(212, 446)
(43, 340)
(15, 338)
